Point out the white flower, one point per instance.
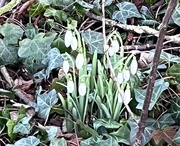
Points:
(82, 89)
(74, 43)
(111, 51)
(127, 96)
(120, 77)
(66, 66)
(126, 75)
(70, 86)
(79, 60)
(68, 38)
(134, 66)
(121, 96)
(115, 45)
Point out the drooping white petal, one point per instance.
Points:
(121, 96)
(134, 66)
(126, 75)
(115, 45)
(79, 60)
(127, 96)
(111, 51)
(74, 43)
(120, 77)
(82, 89)
(70, 86)
(68, 38)
(66, 66)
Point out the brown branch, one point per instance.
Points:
(156, 5)
(137, 29)
(159, 46)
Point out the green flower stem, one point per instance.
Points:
(74, 75)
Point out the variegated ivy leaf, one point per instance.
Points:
(126, 10)
(11, 32)
(45, 103)
(8, 54)
(94, 40)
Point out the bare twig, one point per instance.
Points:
(2, 3)
(137, 29)
(159, 46)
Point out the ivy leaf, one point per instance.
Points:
(85, 4)
(8, 54)
(36, 9)
(126, 10)
(176, 138)
(58, 142)
(159, 87)
(62, 3)
(175, 110)
(107, 123)
(169, 57)
(122, 135)
(147, 17)
(176, 15)
(134, 129)
(94, 40)
(59, 15)
(99, 141)
(45, 103)
(29, 141)
(11, 32)
(52, 60)
(37, 47)
(23, 126)
(166, 134)
(35, 50)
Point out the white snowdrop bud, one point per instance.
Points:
(66, 66)
(74, 43)
(126, 75)
(115, 45)
(120, 77)
(68, 38)
(70, 86)
(121, 96)
(82, 89)
(134, 66)
(79, 60)
(111, 51)
(127, 96)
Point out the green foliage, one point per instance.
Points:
(29, 141)
(126, 10)
(98, 141)
(45, 103)
(159, 87)
(93, 84)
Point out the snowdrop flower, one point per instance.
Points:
(66, 66)
(68, 38)
(127, 96)
(74, 43)
(79, 60)
(126, 75)
(134, 66)
(82, 89)
(111, 51)
(121, 96)
(115, 45)
(70, 86)
(120, 77)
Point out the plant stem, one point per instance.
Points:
(159, 46)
